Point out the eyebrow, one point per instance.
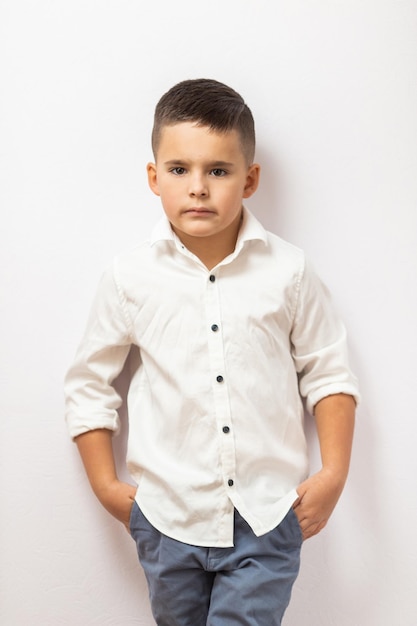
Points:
(213, 164)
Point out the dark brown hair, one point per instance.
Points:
(207, 103)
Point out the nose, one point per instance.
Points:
(198, 186)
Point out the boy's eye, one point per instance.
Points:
(218, 172)
(178, 171)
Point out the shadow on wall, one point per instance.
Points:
(269, 203)
(339, 566)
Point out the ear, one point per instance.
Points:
(152, 178)
(252, 180)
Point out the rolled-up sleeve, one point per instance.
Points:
(91, 402)
(319, 343)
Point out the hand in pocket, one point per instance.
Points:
(118, 498)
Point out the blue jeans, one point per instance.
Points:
(247, 585)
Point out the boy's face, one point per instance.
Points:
(201, 177)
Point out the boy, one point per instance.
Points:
(232, 326)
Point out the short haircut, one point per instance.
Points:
(207, 103)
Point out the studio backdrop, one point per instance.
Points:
(333, 89)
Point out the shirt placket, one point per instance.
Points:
(220, 386)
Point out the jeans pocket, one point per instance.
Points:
(295, 524)
(146, 537)
(133, 514)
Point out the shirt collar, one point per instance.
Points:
(251, 230)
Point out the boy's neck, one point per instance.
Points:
(213, 249)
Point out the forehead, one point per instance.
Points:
(189, 140)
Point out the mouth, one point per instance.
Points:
(199, 211)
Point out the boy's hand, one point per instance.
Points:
(318, 495)
(118, 498)
(96, 451)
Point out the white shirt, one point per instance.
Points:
(215, 414)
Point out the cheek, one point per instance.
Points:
(233, 195)
(168, 198)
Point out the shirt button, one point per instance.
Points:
(226, 429)
(212, 278)
(214, 328)
(219, 379)
(230, 482)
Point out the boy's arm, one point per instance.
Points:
(318, 495)
(95, 447)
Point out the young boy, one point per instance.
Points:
(233, 328)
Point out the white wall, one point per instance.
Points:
(333, 88)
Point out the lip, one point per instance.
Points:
(199, 211)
